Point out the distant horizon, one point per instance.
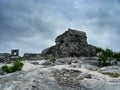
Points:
(33, 25)
(21, 54)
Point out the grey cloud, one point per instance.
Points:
(32, 25)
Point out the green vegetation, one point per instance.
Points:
(6, 69)
(113, 75)
(105, 56)
(99, 50)
(53, 59)
(117, 56)
(17, 66)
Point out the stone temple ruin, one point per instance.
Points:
(14, 54)
(72, 43)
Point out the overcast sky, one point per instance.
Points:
(32, 25)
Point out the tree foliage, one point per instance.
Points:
(117, 56)
(106, 55)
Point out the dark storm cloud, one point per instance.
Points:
(22, 25)
(18, 19)
(32, 25)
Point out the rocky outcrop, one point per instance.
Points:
(71, 43)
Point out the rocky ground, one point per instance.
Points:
(67, 74)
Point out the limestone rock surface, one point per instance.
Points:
(61, 77)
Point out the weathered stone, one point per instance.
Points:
(4, 57)
(61, 77)
(32, 56)
(71, 43)
(46, 63)
(49, 52)
(110, 69)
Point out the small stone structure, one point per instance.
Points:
(14, 54)
(72, 43)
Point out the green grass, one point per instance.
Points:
(113, 75)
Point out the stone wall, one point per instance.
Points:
(32, 56)
(4, 57)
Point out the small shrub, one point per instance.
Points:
(53, 59)
(5, 68)
(105, 57)
(113, 75)
(17, 66)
